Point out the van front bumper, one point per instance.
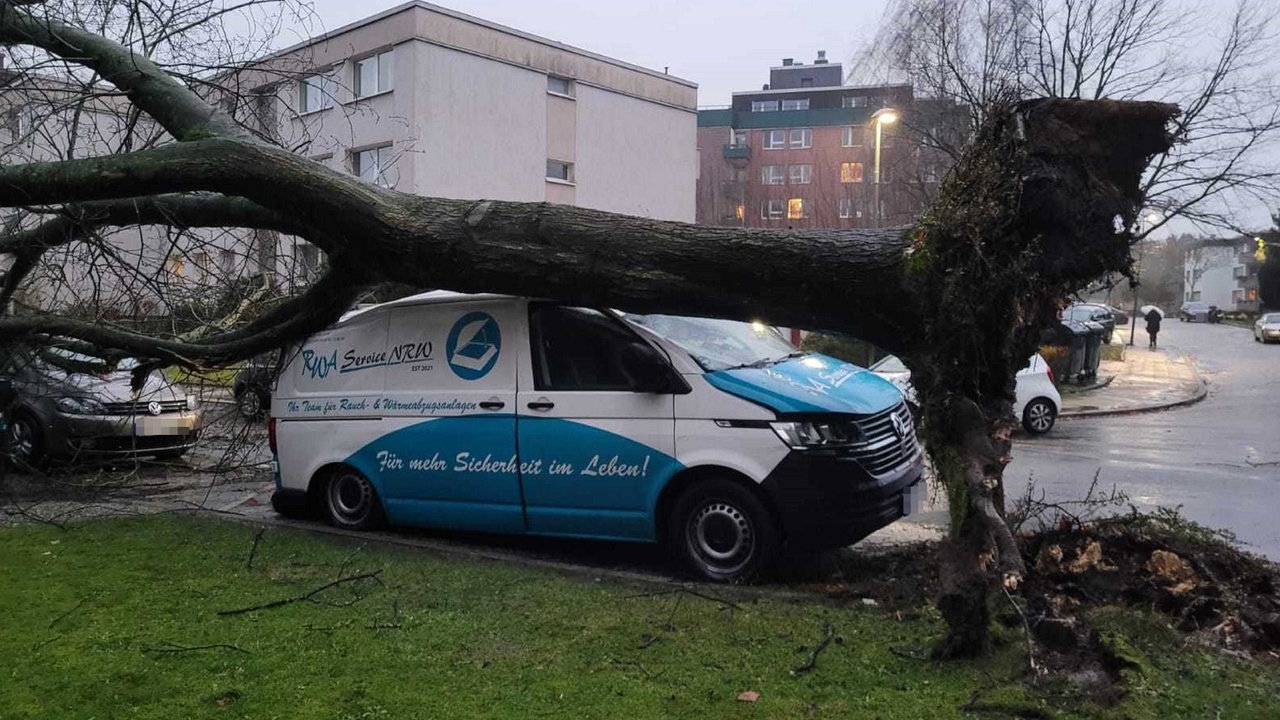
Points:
(828, 500)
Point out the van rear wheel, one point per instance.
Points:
(722, 532)
(351, 501)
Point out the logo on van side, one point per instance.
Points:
(318, 366)
(473, 345)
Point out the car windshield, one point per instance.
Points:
(70, 362)
(719, 344)
(889, 364)
(1271, 318)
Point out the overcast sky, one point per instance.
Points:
(722, 46)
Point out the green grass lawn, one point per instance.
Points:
(91, 615)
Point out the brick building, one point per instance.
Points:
(801, 152)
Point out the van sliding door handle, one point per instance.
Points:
(492, 405)
(541, 405)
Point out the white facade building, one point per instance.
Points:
(1224, 274)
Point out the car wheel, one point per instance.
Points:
(351, 501)
(251, 403)
(722, 532)
(25, 442)
(1039, 416)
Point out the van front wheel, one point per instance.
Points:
(351, 501)
(722, 532)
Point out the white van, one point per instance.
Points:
(504, 414)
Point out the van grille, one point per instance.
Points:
(884, 450)
(140, 407)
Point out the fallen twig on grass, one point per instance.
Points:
(828, 635)
(175, 648)
(253, 549)
(1026, 626)
(66, 614)
(685, 591)
(305, 597)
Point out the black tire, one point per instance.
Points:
(26, 441)
(350, 500)
(722, 532)
(252, 403)
(1039, 416)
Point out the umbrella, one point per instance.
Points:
(1148, 308)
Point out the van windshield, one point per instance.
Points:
(720, 344)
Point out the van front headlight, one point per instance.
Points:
(809, 434)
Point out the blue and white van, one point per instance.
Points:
(511, 415)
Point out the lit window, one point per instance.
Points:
(851, 172)
(559, 86)
(764, 106)
(315, 93)
(177, 267)
(771, 175)
(800, 104)
(850, 136)
(849, 208)
(775, 139)
(773, 209)
(373, 74)
(797, 209)
(374, 166)
(740, 211)
(800, 174)
(853, 101)
(801, 137)
(560, 170)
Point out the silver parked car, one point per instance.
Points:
(73, 406)
(1267, 328)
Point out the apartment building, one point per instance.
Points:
(1223, 273)
(802, 152)
(427, 100)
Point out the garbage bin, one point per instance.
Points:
(1095, 332)
(1072, 334)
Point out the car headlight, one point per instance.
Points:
(192, 402)
(80, 406)
(806, 435)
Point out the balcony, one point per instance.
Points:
(737, 155)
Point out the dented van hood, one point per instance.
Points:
(811, 383)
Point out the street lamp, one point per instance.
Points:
(1152, 219)
(880, 118)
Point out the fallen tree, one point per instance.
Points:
(1042, 202)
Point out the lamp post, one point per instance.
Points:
(1151, 219)
(880, 118)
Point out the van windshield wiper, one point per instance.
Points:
(765, 362)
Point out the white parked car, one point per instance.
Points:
(1267, 328)
(1037, 400)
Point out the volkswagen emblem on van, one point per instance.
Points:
(473, 345)
(153, 407)
(899, 425)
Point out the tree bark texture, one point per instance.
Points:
(1039, 205)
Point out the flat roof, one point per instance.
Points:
(826, 88)
(484, 23)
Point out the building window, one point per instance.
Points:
(374, 165)
(740, 211)
(1240, 271)
(308, 261)
(806, 82)
(801, 137)
(373, 74)
(560, 170)
(851, 172)
(771, 175)
(773, 209)
(315, 93)
(227, 261)
(775, 139)
(800, 174)
(801, 104)
(853, 101)
(740, 138)
(850, 136)
(1237, 296)
(764, 106)
(177, 267)
(797, 209)
(850, 208)
(932, 173)
(559, 86)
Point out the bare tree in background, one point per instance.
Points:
(1039, 205)
(1221, 70)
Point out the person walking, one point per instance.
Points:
(1153, 326)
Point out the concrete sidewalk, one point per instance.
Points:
(1145, 380)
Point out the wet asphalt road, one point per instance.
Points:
(1219, 459)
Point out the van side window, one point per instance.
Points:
(577, 348)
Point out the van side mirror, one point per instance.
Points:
(650, 373)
